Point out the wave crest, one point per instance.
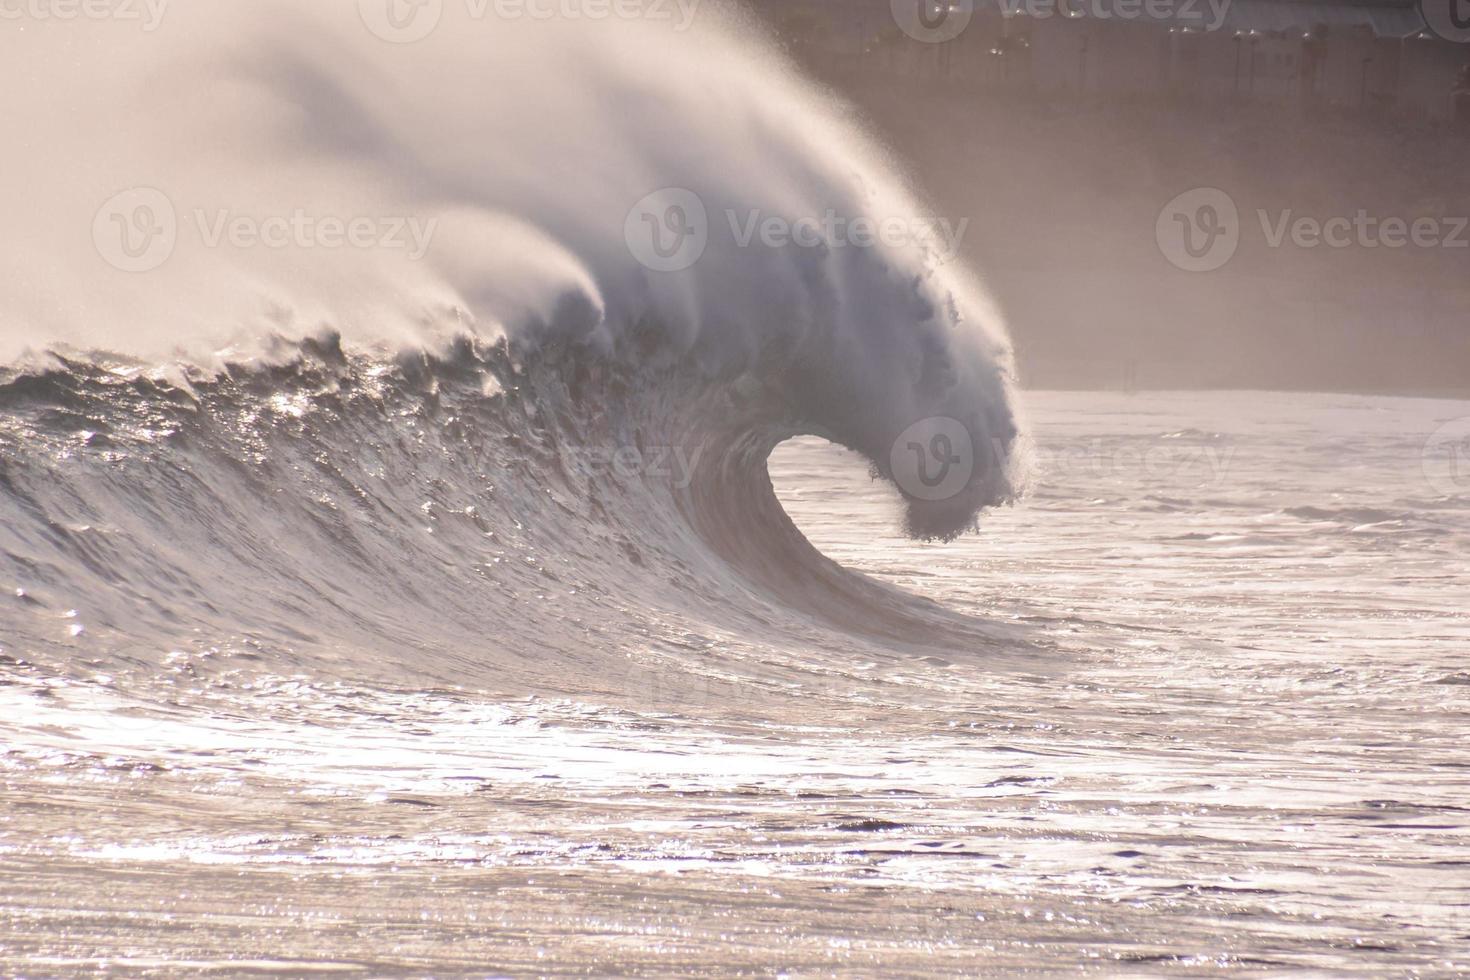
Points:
(473, 506)
(531, 327)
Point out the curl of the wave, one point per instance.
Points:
(527, 145)
(514, 520)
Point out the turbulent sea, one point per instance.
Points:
(333, 667)
(592, 589)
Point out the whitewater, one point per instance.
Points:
(446, 529)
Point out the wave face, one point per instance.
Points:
(526, 432)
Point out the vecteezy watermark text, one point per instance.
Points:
(1206, 15)
(304, 230)
(835, 231)
(669, 230)
(147, 14)
(938, 21)
(936, 458)
(407, 21)
(675, 465)
(1201, 230)
(137, 230)
(1363, 230)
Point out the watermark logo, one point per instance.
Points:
(668, 230)
(933, 459)
(1448, 19)
(932, 21)
(1446, 458)
(401, 21)
(136, 230)
(1199, 230)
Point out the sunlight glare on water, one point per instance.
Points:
(1217, 770)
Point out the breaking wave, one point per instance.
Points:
(528, 434)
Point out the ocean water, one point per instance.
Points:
(487, 594)
(1198, 703)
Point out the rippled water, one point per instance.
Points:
(1223, 727)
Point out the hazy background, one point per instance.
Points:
(1063, 184)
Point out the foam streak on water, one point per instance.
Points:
(1240, 747)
